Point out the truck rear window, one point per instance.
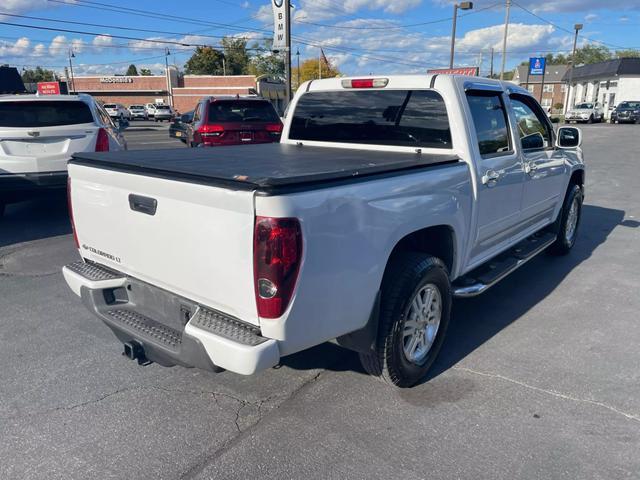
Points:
(44, 114)
(242, 111)
(411, 118)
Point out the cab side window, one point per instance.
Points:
(490, 121)
(533, 128)
(197, 113)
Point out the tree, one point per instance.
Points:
(265, 62)
(235, 55)
(309, 71)
(145, 72)
(39, 74)
(132, 71)
(591, 54)
(629, 53)
(205, 61)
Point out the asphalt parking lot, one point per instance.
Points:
(538, 378)
(147, 134)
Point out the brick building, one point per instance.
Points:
(183, 92)
(554, 89)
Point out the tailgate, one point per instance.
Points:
(44, 149)
(197, 244)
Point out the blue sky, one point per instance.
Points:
(360, 36)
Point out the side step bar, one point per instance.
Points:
(487, 275)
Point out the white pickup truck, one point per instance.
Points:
(386, 198)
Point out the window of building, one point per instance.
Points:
(530, 88)
(547, 102)
(548, 89)
(563, 87)
(490, 121)
(613, 84)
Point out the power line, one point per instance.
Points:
(398, 27)
(566, 29)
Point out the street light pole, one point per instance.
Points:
(577, 27)
(461, 6)
(287, 61)
(73, 83)
(298, 69)
(504, 40)
(166, 71)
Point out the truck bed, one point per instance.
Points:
(267, 168)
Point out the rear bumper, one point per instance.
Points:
(13, 184)
(171, 330)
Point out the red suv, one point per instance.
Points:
(233, 121)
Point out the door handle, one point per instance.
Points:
(490, 178)
(141, 204)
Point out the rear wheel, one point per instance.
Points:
(568, 222)
(414, 316)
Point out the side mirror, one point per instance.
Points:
(123, 125)
(535, 140)
(569, 137)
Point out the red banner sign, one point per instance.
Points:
(471, 71)
(48, 88)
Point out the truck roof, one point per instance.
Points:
(267, 167)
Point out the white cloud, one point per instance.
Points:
(14, 49)
(590, 17)
(18, 6)
(102, 41)
(560, 5)
(40, 50)
(58, 45)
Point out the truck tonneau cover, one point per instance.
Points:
(265, 167)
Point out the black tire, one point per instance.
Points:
(2, 208)
(405, 277)
(590, 119)
(564, 243)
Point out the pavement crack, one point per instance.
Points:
(553, 393)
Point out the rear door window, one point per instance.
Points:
(242, 111)
(490, 121)
(44, 114)
(410, 118)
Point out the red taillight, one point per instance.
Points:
(211, 130)
(277, 253)
(102, 143)
(73, 226)
(365, 83)
(273, 127)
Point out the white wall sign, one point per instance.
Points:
(279, 24)
(116, 80)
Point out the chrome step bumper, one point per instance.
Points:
(484, 277)
(170, 330)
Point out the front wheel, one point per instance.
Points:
(590, 119)
(414, 315)
(568, 222)
(2, 207)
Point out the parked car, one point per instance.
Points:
(626, 112)
(138, 111)
(117, 111)
(385, 198)
(233, 121)
(587, 112)
(178, 127)
(151, 109)
(163, 112)
(38, 135)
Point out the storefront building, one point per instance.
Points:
(181, 92)
(608, 83)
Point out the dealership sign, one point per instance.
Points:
(279, 24)
(471, 71)
(116, 80)
(48, 88)
(537, 65)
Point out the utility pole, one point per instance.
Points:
(298, 70)
(461, 6)
(287, 61)
(166, 71)
(504, 40)
(577, 27)
(319, 63)
(491, 68)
